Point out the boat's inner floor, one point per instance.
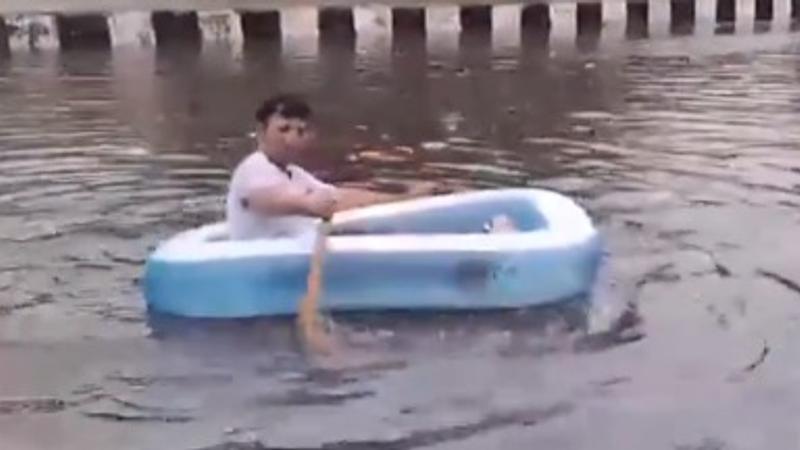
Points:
(474, 217)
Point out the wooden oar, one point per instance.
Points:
(312, 328)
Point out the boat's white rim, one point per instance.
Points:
(568, 225)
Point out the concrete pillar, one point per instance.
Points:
(220, 26)
(5, 48)
(476, 18)
(764, 10)
(408, 20)
(373, 30)
(336, 22)
(172, 27)
(86, 30)
(589, 18)
(726, 11)
(506, 29)
(261, 25)
(36, 31)
(638, 17)
(132, 28)
(682, 16)
(300, 32)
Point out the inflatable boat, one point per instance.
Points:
(431, 253)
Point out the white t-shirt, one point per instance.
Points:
(256, 171)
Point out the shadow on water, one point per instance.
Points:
(399, 331)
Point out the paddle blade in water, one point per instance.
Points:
(310, 322)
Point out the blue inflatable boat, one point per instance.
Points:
(430, 253)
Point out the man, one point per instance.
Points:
(269, 195)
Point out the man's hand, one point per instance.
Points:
(321, 204)
(421, 189)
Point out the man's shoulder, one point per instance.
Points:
(254, 169)
(255, 161)
(254, 158)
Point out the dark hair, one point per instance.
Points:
(291, 106)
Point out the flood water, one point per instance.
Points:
(683, 149)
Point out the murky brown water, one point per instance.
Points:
(684, 150)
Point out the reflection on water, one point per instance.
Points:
(683, 149)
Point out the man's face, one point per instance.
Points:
(286, 138)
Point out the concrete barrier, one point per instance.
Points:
(220, 26)
(132, 28)
(534, 23)
(32, 31)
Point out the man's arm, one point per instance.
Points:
(350, 198)
(283, 199)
